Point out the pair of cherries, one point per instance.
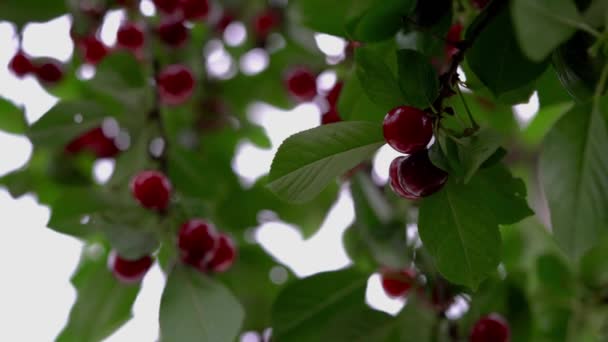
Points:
(49, 71)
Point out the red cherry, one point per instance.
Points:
(407, 129)
(175, 84)
(224, 255)
(166, 6)
(419, 177)
(195, 9)
(398, 283)
(197, 241)
(225, 20)
(330, 116)
(452, 38)
(95, 142)
(49, 72)
(21, 65)
(334, 94)
(129, 271)
(490, 328)
(94, 49)
(152, 190)
(173, 32)
(394, 171)
(265, 22)
(130, 36)
(480, 4)
(302, 84)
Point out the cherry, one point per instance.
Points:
(224, 255)
(330, 116)
(302, 84)
(95, 142)
(173, 32)
(167, 6)
(407, 129)
(490, 328)
(130, 36)
(265, 22)
(21, 65)
(49, 72)
(394, 171)
(197, 240)
(94, 50)
(195, 9)
(452, 38)
(225, 20)
(397, 283)
(129, 271)
(334, 94)
(151, 189)
(419, 177)
(175, 84)
(480, 4)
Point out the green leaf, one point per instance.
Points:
(11, 118)
(593, 266)
(196, 308)
(308, 161)
(377, 79)
(326, 307)
(417, 79)
(103, 303)
(497, 60)
(476, 150)
(355, 105)
(556, 19)
(459, 224)
(546, 117)
(573, 165)
(21, 12)
(190, 174)
(555, 277)
(318, 16)
(380, 22)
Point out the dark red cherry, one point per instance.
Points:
(225, 20)
(330, 116)
(129, 271)
(95, 142)
(419, 177)
(175, 84)
(452, 38)
(152, 190)
(393, 173)
(480, 4)
(407, 129)
(21, 65)
(265, 22)
(173, 32)
(49, 72)
(195, 9)
(334, 94)
(197, 242)
(397, 283)
(302, 84)
(167, 6)
(130, 36)
(490, 328)
(224, 255)
(94, 50)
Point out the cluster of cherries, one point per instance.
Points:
(48, 71)
(489, 328)
(199, 243)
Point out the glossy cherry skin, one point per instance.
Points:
(49, 72)
(94, 50)
(330, 116)
(397, 283)
(265, 22)
(301, 84)
(407, 129)
(173, 32)
(129, 271)
(195, 9)
(490, 328)
(167, 6)
(224, 255)
(480, 4)
(452, 38)
(152, 190)
(130, 36)
(419, 177)
(93, 141)
(197, 241)
(393, 173)
(21, 65)
(175, 84)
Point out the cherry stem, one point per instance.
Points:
(156, 116)
(474, 124)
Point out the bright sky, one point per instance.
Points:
(37, 263)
